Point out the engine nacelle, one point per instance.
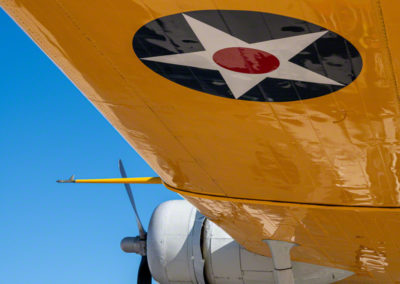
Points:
(184, 247)
(173, 243)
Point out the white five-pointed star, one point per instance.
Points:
(214, 40)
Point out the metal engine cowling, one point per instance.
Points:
(184, 247)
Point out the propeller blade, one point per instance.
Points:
(142, 232)
(144, 275)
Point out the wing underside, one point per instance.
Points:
(320, 170)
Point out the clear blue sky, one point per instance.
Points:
(61, 233)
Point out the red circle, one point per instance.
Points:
(246, 60)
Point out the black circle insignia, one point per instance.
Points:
(306, 60)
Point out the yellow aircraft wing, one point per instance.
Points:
(302, 148)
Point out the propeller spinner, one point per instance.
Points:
(136, 244)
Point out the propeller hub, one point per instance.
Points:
(134, 245)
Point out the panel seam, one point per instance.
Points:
(281, 202)
(386, 38)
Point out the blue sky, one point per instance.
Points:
(61, 233)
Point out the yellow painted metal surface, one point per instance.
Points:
(338, 149)
(362, 240)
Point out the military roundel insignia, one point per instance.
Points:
(248, 55)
